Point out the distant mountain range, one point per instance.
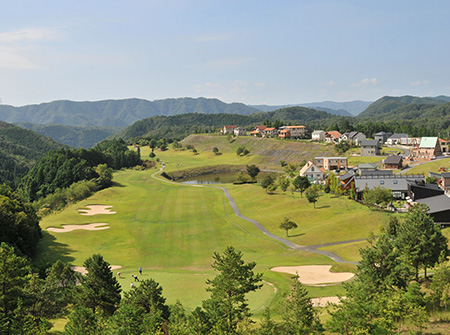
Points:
(350, 108)
(115, 113)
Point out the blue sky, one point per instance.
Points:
(255, 52)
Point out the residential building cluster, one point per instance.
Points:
(264, 131)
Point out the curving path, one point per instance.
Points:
(290, 244)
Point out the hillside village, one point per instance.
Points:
(368, 176)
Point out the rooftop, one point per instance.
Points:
(428, 142)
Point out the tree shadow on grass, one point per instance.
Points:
(51, 250)
(297, 235)
(324, 206)
(116, 184)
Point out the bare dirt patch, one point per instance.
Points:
(83, 271)
(96, 209)
(67, 228)
(315, 274)
(323, 301)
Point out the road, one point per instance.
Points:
(289, 244)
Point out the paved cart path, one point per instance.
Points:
(290, 244)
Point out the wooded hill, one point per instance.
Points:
(73, 136)
(430, 113)
(179, 126)
(20, 149)
(115, 113)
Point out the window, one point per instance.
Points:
(381, 182)
(395, 182)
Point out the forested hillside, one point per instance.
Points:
(385, 107)
(19, 151)
(114, 113)
(180, 126)
(74, 136)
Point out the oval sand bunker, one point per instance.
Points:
(315, 274)
(96, 209)
(67, 228)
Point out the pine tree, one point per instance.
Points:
(227, 307)
(99, 288)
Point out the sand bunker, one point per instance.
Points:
(67, 228)
(96, 209)
(323, 301)
(315, 274)
(82, 269)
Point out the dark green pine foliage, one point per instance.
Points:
(227, 307)
(19, 224)
(421, 240)
(99, 290)
(62, 168)
(297, 312)
(142, 310)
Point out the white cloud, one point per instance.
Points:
(213, 38)
(16, 47)
(260, 84)
(365, 82)
(419, 83)
(330, 83)
(212, 85)
(31, 34)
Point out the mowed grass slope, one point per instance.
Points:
(172, 232)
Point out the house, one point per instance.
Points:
(332, 136)
(227, 130)
(347, 179)
(410, 141)
(439, 208)
(428, 149)
(399, 185)
(318, 135)
(312, 171)
(296, 131)
(445, 146)
(377, 173)
(370, 148)
(420, 190)
(269, 132)
(354, 136)
(240, 131)
(258, 131)
(382, 136)
(396, 138)
(284, 133)
(393, 162)
(331, 163)
(367, 167)
(443, 179)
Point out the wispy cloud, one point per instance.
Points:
(31, 34)
(365, 82)
(260, 84)
(419, 83)
(226, 63)
(16, 47)
(213, 38)
(330, 83)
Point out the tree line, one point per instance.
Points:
(61, 168)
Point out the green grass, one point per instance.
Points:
(172, 230)
(433, 166)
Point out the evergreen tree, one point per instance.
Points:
(301, 183)
(297, 312)
(421, 240)
(99, 289)
(312, 194)
(252, 171)
(227, 307)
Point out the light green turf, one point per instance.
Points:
(433, 166)
(172, 230)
